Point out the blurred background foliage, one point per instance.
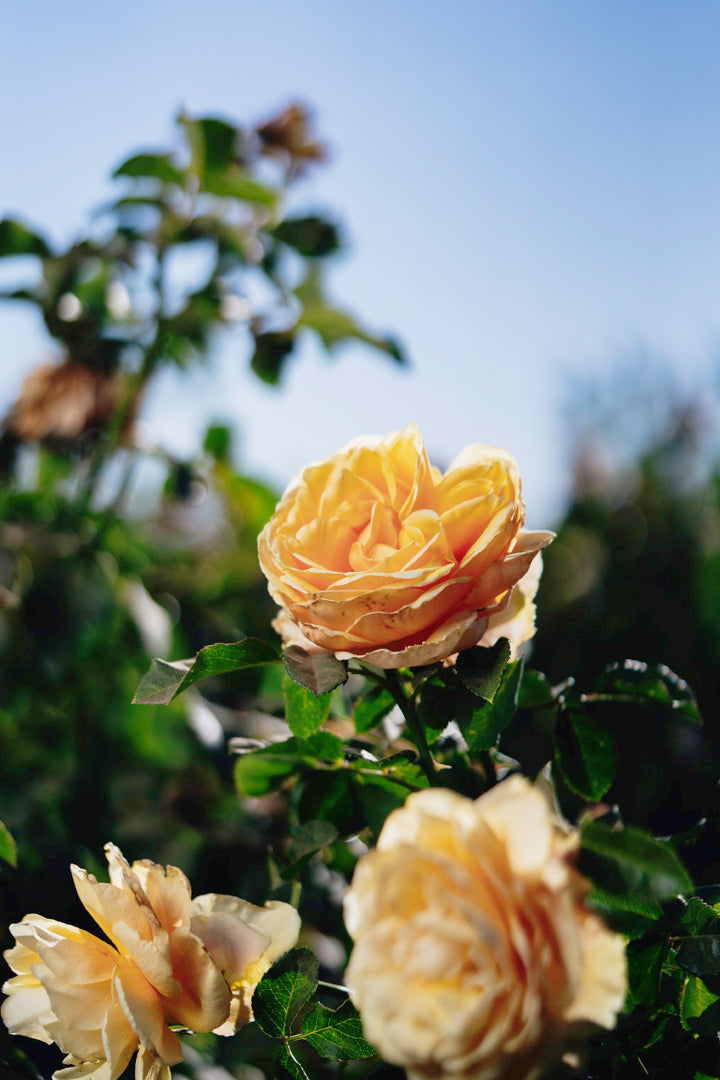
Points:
(99, 572)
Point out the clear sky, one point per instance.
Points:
(531, 189)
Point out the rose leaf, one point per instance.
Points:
(305, 712)
(287, 1066)
(8, 849)
(699, 1007)
(481, 669)
(490, 719)
(630, 862)
(166, 679)
(372, 708)
(284, 990)
(319, 672)
(336, 1034)
(585, 754)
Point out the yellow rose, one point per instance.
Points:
(375, 554)
(475, 956)
(172, 960)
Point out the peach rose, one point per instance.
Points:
(375, 554)
(475, 956)
(169, 960)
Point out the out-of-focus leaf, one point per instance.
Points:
(585, 754)
(334, 327)
(156, 166)
(481, 670)
(310, 837)
(319, 672)
(8, 849)
(234, 183)
(305, 710)
(166, 679)
(311, 236)
(218, 440)
(378, 797)
(490, 719)
(283, 991)
(213, 142)
(652, 683)
(443, 698)
(631, 862)
(372, 708)
(17, 239)
(272, 349)
(336, 1034)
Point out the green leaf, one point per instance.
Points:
(536, 691)
(334, 327)
(310, 838)
(631, 862)
(699, 1007)
(305, 711)
(271, 351)
(213, 142)
(166, 679)
(372, 708)
(8, 848)
(156, 166)
(311, 236)
(234, 183)
(260, 771)
(585, 754)
(287, 1066)
(378, 797)
(284, 990)
(490, 719)
(652, 683)
(336, 1034)
(443, 698)
(645, 960)
(319, 672)
(17, 239)
(481, 670)
(700, 955)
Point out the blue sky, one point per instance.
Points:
(530, 190)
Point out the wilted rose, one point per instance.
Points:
(62, 402)
(475, 956)
(169, 960)
(375, 554)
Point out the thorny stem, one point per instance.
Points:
(406, 704)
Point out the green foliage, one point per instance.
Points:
(286, 1008)
(167, 679)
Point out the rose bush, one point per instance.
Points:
(475, 955)
(375, 554)
(170, 960)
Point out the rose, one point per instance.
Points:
(475, 956)
(375, 554)
(172, 960)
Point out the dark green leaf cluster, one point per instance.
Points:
(286, 1008)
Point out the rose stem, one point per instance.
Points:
(406, 703)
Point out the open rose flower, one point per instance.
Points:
(169, 960)
(475, 956)
(375, 554)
